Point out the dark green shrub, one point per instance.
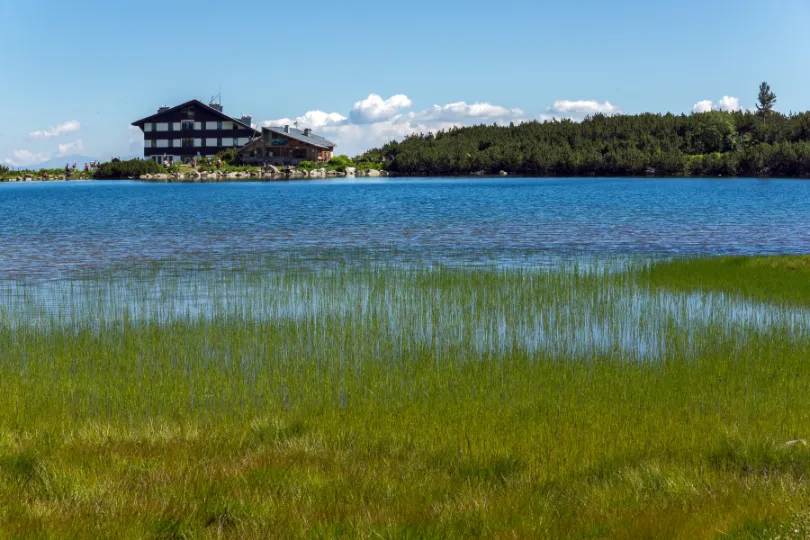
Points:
(228, 157)
(124, 169)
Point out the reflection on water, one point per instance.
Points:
(394, 259)
(569, 310)
(53, 229)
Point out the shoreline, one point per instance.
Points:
(247, 177)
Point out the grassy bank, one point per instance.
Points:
(358, 400)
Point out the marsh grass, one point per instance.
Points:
(781, 279)
(346, 400)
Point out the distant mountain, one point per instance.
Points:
(59, 163)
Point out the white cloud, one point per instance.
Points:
(728, 103)
(703, 106)
(376, 109)
(312, 119)
(580, 109)
(462, 112)
(353, 139)
(71, 148)
(55, 131)
(375, 121)
(25, 158)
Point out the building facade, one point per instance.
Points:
(286, 146)
(193, 129)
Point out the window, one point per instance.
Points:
(211, 125)
(162, 126)
(188, 143)
(162, 143)
(187, 125)
(188, 113)
(198, 143)
(177, 143)
(227, 125)
(176, 126)
(147, 126)
(147, 143)
(212, 142)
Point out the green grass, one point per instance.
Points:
(778, 279)
(341, 400)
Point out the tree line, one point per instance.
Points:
(741, 143)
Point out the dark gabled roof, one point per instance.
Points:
(298, 135)
(198, 103)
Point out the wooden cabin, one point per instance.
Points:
(286, 146)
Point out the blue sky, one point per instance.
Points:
(74, 75)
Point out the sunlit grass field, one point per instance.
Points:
(386, 401)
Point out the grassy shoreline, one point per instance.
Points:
(390, 402)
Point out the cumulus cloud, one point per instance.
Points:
(70, 148)
(462, 112)
(375, 121)
(376, 109)
(703, 106)
(57, 130)
(25, 158)
(579, 109)
(728, 103)
(312, 119)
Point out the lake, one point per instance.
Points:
(54, 228)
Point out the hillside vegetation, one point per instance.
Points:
(706, 144)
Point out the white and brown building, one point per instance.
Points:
(193, 129)
(286, 146)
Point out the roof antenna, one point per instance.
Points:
(216, 102)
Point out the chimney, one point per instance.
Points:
(287, 129)
(216, 106)
(307, 132)
(163, 108)
(246, 119)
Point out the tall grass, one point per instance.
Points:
(775, 279)
(373, 400)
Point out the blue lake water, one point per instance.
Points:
(52, 228)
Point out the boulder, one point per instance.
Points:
(350, 171)
(374, 173)
(503, 173)
(28, 177)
